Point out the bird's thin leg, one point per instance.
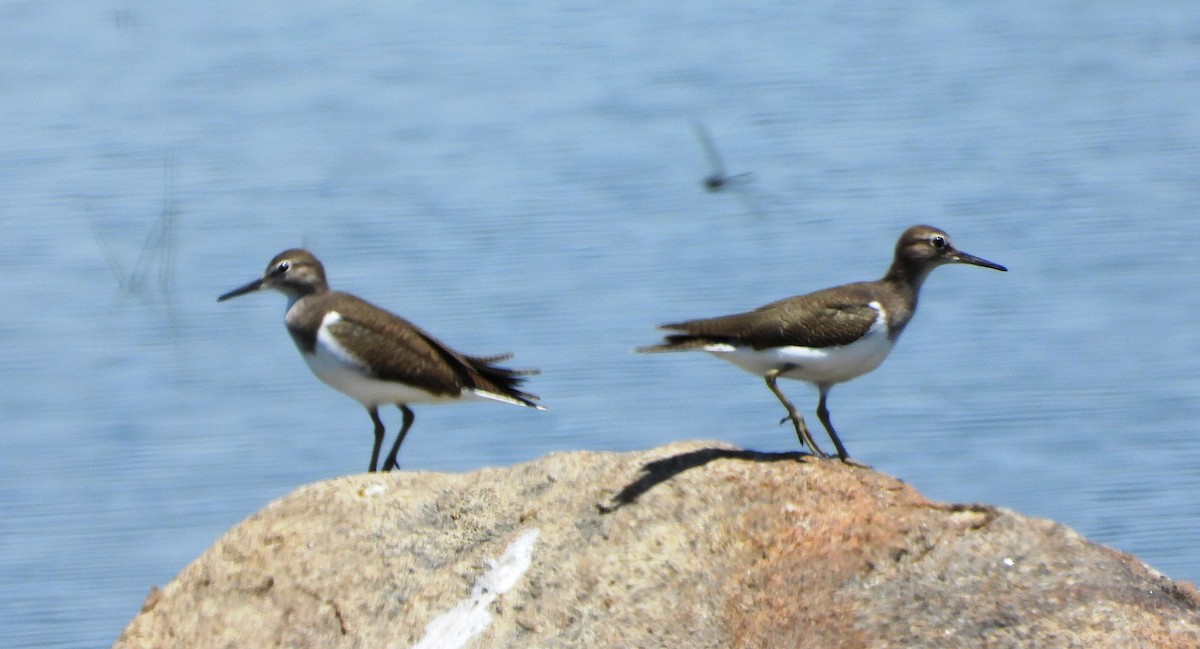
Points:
(390, 462)
(823, 413)
(797, 421)
(378, 436)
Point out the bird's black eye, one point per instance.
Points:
(938, 241)
(282, 267)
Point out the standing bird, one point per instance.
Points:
(376, 357)
(827, 337)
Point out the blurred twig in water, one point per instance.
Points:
(158, 250)
(717, 180)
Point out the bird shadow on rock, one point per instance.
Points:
(663, 469)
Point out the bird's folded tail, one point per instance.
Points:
(502, 383)
(681, 343)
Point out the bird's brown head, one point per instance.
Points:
(923, 247)
(294, 273)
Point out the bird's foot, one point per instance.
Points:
(799, 426)
(848, 461)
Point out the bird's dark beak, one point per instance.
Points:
(242, 290)
(961, 257)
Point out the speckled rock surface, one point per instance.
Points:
(690, 545)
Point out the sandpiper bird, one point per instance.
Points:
(376, 357)
(827, 337)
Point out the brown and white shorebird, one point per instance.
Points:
(827, 337)
(375, 357)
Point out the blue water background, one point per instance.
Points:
(525, 177)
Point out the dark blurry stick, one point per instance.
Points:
(160, 242)
(158, 247)
(111, 259)
(718, 179)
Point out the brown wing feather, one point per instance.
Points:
(414, 356)
(822, 319)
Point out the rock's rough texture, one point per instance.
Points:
(689, 545)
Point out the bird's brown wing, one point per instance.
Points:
(411, 355)
(821, 319)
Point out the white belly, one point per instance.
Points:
(820, 366)
(363, 388)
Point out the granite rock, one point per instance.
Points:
(691, 545)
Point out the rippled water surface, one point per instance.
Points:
(526, 177)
